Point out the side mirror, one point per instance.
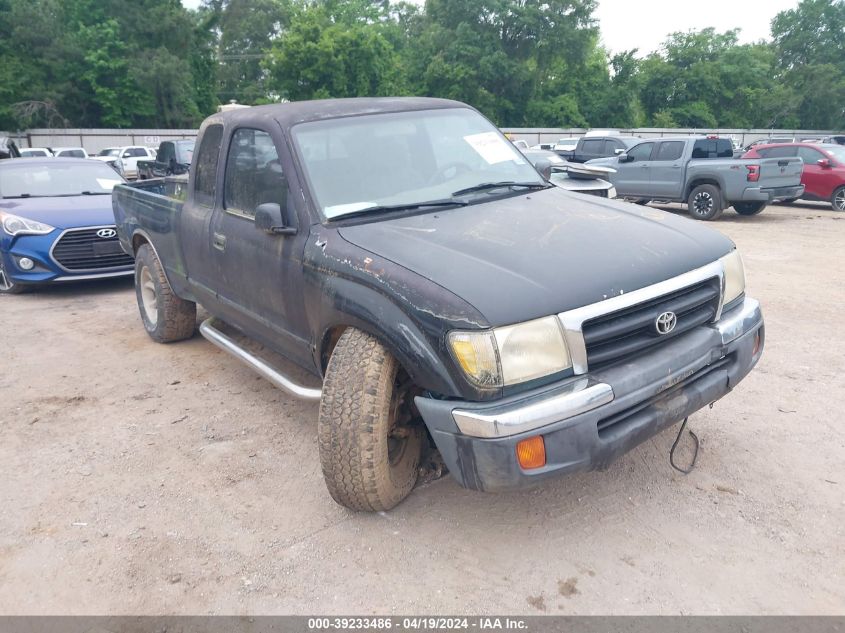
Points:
(544, 166)
(624, 158)
(824, 163)
(618, 151)
(268, 218)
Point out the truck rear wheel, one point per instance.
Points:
(749, 208)
(369, 444)
(166, 317)
(705, 202)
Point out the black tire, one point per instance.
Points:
(7, 286)
(368, 451)
(705, 202)
(642, 201)
(837, 200)
(166, 317)
(749, 208)
(788, 201)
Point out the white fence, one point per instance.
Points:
(94, 140)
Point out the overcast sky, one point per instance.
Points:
(644, 24)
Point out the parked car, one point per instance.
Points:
(837, 139)
(702, 172)
(8, 148)
(572, 177)
(565, 144)
(545, 146)
(111, 157)
(406, 254)
(592, 147)
(128, 158)
(70, 152)
(520, 145)
(57, 223)
(172, 158)
(36, 152)
(823, 175)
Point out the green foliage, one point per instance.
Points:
(153, 63)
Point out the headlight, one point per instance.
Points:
(512, 354)
(734, 276)
(16, 225)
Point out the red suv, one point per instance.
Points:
(824, 169)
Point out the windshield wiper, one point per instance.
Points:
(21, 195)
(446, 202)
(95, 193)
(486, 186)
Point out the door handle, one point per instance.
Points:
(219, 241)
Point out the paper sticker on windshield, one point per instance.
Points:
(492, 147)
(107, 184)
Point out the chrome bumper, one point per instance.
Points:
(581, 395)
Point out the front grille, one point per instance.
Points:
(83, 250)
(615, 336)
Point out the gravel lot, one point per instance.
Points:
(141, 478)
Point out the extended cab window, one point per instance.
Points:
(809, 155)
(641, 151)
(205, 177)
(670, 150)
(253, 172)
(776, 152)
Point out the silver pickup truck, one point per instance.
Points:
(701, 172)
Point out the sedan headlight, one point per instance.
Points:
(513, 354)
(16, 225)
(734, 276)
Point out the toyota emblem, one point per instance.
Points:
(666, 322)
(106, 233)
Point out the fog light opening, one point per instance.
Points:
(531, 452)
(26, 263)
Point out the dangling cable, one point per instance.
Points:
(675, 445)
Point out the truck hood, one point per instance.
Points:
(62, 212)
(533, 255)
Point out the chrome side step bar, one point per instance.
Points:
(284, 383)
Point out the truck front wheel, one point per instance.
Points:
(369, 439)
(705, 202)
(749, 208)
(166, 317)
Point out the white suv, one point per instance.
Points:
(126, 158)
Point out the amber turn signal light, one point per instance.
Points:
(531, 453)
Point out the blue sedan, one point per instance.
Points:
(56, 223)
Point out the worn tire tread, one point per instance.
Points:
(177, 318)
(353, 424)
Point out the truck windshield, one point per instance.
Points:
(41, 181)
(111, 151)
(406, 159)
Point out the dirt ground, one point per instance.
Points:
(141, 479)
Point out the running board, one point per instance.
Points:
(213, 335)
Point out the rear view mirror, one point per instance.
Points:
(544, 166)
(268, 218)
(824, 163)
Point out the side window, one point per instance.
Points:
(205, 177)
(592, 146)
(809, 155)
(670, 150)
(641, 152)
(610, 147)
(140, 152)
(253, 172)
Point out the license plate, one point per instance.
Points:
(107, 248)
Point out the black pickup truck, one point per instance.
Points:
(172, 158)
(439, 291)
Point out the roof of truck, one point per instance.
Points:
(289, 114)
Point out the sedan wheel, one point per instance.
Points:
(838, 200)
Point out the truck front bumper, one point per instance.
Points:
(589, 421)
(756, 194)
